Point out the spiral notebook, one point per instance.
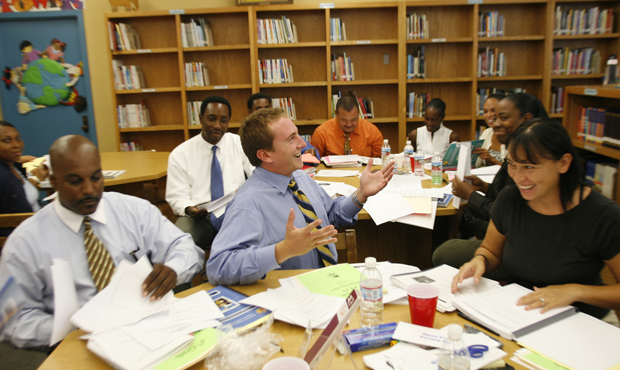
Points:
(497, 310)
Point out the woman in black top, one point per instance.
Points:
(550, 232)
(17, 193)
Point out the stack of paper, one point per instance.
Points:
(297, 307)
(218, 206)
(341, 160)
(337, 173)
(130, 331)
(441, 277)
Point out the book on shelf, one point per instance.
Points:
(131, 146)
(196, 33)
(275, 71)
(193, 112)
(589, 21)
(600, 173)
(365, 106)
(417, 26)
(127, 77)
(337, 31)
(491, 63)
(286, 104)
(416, 67)
(575, 62)
(276, 31)
(123, 37)
(335, 98)
(342, 68)
(133, 115)
(416, 104)
(557, 100)
(196, 74)
(491, 24)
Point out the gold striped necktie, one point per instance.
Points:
(326, 258)
(99, 260)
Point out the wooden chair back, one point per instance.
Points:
(12, 220)
(346, 245)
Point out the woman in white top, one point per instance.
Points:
(492, 152)
(433, 136)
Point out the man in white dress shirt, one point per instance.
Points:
(196, 176)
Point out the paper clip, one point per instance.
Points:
(477, 350)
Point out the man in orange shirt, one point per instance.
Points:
(347, 133)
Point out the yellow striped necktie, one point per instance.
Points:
(100, 262)
(326, 258)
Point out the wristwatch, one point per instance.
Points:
(357, 201)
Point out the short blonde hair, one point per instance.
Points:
(256, 134)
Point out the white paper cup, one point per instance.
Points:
(287, 363)
(398, 158)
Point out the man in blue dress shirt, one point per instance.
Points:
(264, 228)
(128, 228)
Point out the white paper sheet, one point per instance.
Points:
(384, 207)
(297, 306)
(463, 168)
(337, 173)
(218, 206)
(332, 188)
(65, 300)
(425, 221)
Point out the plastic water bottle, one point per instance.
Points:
(454, 354)
(371, 286)
(385, 153)
(408, 153)
(436, 170)
(419, 163)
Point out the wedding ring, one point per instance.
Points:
(542, 300)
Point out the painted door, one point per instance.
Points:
(40, 127)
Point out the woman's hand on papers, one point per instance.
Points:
(373, 182)
(159, 282)
(298, 242)
(476, 268)
(551, 297)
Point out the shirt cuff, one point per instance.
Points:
(349, 207)
(266, 258)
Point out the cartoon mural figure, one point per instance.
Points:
(44, 80)
(55, 51)
(29, 54)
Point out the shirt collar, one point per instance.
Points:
(280, 182)
(73, 220)
(209, 146)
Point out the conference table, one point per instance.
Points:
(145, 175)
(73, 354)
(393, 241)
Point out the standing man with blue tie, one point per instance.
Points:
(281, 218)
(204, 169)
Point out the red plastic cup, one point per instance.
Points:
(422, 303)
(413, 162)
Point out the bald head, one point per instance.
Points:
(77, 173)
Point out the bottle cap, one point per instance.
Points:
(455, 331)
(370, 262)
(408, 142)
(385, 141)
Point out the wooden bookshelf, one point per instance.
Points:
(606, 43)
(591, 96)
(378, 46)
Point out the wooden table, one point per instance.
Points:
(72, 352)
(393, 241)
(145, 177)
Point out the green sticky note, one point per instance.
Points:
(336, 280)
(203, 343)
(543, 362)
